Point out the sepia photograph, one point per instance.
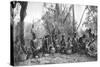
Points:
(52, 33)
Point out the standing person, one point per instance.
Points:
(57, 46)
(74, 43)
(32, 42)
(63, 44)
(68, 46)
(45, 44)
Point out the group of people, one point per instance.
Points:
(51, 43)
(56, 43)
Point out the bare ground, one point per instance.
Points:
(56, 59)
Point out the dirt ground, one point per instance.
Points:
(56, 59)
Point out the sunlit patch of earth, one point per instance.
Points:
(57, 58)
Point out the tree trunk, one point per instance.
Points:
(73, 23)
(56, 12)
(22, 15)
(67, 14)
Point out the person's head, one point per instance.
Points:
(32, 25)
(33, 35)
(89, 30)
(74, 34)
(84, 36)
(68, 38)
(62, 36)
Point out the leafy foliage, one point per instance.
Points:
(59, 18)
(91, 32)
(91, 20)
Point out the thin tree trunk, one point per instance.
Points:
(57, 12)
(73, 20)
(67, 15)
